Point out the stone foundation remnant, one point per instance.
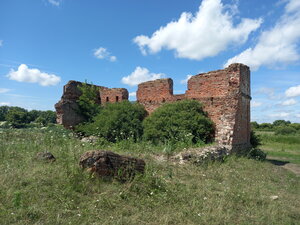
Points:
(225, 95)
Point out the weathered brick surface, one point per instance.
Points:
(225, 95)
(113, 95)
(153, 94)
(67, 108)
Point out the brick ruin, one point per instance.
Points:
(225, 95)
(67, 108)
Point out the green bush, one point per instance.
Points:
(116, 122)
(254, 125)
(257, 154)
(255, 139)
(46, 118)
(179, 122)
(285, 130)
(295, 126)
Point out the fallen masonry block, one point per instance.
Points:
(202, 155)
(109, 164)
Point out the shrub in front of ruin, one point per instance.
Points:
(115, 122)
(179, 121)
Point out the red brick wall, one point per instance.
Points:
(67, 108)
(113, 95)
(225, 95)
(154, 93)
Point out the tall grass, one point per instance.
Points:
(285, 147)
(234, 192)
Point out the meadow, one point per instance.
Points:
(236, 191)
(282, 147)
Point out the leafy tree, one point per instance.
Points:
(295, 126)
(17, 117)
(254, 125)
(266, 126)
(118, 121)
(3, 112)
(178, 121)
(33, 115)
(87, 102)
(278, 123)
(46, 117)
(285, 130)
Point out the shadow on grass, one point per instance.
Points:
(277, 162)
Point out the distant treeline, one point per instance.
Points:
(280, 127)
(17, 117)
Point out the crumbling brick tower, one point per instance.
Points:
(67, 109)
(225, 95)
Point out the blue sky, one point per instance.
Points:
(117, 43)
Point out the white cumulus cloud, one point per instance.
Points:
(293, 91)
(186, 79)
(289, 102)
(280, 114)
(54, 2)
(132, 94)
(24, 74)
(255, 104)
(103, 53)
(4, 103)
(140, 75)
(4, 90)
(205, 34)
(270, 92)
(277, 46)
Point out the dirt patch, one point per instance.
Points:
(282, 162)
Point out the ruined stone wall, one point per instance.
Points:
(225, 95)
(153, 94)
(67, 109)
(112, 95)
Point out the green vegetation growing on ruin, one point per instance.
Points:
(88, 107)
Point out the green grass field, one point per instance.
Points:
(237, 191)
(285, 147)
